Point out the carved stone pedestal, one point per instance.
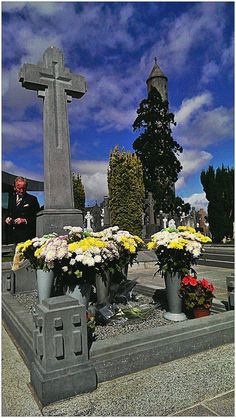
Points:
(61, 367)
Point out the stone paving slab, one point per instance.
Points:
(158, 391)
(223, 405)
(216, 275)
(18, 399)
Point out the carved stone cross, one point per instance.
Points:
(57, 85)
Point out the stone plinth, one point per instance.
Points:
(61, 367)
(53, 220)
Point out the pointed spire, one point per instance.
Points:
(156, 71)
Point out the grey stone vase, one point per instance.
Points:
(174, 312)
(44, 284)
(81, 291)
(103, 284)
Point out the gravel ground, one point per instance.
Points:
(117, 326)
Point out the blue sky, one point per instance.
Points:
(113, 45)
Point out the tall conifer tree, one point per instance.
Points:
(219, 188)
(157, 149)
(126, 190)
(79, 192)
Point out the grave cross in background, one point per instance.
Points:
(57, 85)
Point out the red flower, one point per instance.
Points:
(185, 280)
(211, 288)
(205, 283)
(193, 281)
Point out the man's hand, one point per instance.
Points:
(8, 220)
(19, 221)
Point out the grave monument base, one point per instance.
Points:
(63, 383)
(53, 220)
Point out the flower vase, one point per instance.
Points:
(200, 312)
(103, 284)
(44, 284)
(174, 300)
(80, 291)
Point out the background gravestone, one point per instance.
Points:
(56, 85)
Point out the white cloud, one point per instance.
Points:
(209, 71)
(197, 200)
(17, 170)
(207, 127)
(192, 161)
(189, 106)
(21, 134)
(94, 178)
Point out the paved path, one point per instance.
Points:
(216, 275)
(198, 385)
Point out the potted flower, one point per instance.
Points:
(32, 250)
(176, 250)
(197, 295)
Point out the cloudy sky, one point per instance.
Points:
(113, 45)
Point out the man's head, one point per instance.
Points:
(20, 185)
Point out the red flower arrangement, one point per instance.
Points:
(196, 293)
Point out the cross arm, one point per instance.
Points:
(78, 86)
(30, 77)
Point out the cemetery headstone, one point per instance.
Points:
(171, 224)
(165, 222)
(88, 217)
(96, 213)
(57, 86)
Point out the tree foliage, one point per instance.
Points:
(79, 192)
(219, 188)
(126, 190)
(157, 149)
(179, 206)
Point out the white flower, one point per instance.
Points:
(65, 268)
(97, 259)
(72, 261)
(79, 257)
(79, 250)
(51, 255)
(89, 261)
(61, 252)
(76, 229)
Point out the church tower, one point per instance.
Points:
(158, 79)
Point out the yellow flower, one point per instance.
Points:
(86, 244)
(151, 245)
(37, 253)
(182, 228)
(175, 245)
(72, 247)
(132, 249)
(138, 239)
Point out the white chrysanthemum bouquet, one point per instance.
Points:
(177, 249)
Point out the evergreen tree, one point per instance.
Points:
(157, 149)
(126, 190)
(219, 188)
(179, 206)
(79, 192)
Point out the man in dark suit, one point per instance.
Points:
(22, 210)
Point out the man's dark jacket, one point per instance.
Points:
(27, 208)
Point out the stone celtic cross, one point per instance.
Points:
(57, 85)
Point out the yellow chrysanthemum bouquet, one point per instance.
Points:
(177, 249)
(32, 250)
